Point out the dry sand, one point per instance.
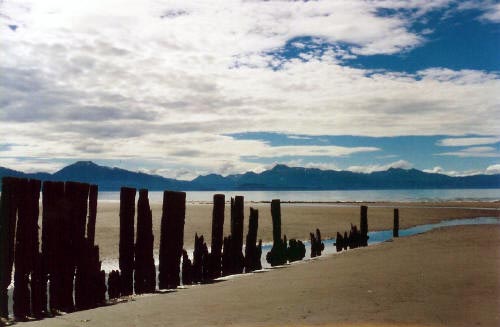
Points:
(297, 219)
(447, 277)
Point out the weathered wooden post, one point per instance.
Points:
(317, 246)
(114, 285)
(172, 238)
(296, 250)
(53, 227)
(226, 256)
(145, 271)
(252, 256)
(217, 236)
(363, 226)
(8, 214)
(237, 218)
(126, 260)
(77, 196)
(395, 229)
(339, 242)
(26, 245)
(277, 255)
(186, 269)
(197, 270)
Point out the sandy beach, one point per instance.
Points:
(446, 277)
(298, 219)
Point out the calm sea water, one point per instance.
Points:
(335, 196)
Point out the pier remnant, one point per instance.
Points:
(114, 284)
(339, 242)
(395, 229)
(277, 255)
(236, 246)
(363, 226)
(215, 266)
(317, 246)
(126, 247)
(296, 250)
(145, 271)
(199, 272)
(53, 230)
(253, 251)
(26, 248)
(8, 214)
(172, 238)
(186, 269)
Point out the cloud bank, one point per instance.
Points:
(161, 82)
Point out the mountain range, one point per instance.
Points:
(280, 177)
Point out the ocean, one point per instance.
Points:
(407, 195)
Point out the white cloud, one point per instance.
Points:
(490, 170)
(403, 164)
(493, 169)
(475, 151)
(468, 141)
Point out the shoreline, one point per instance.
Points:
(332, 290)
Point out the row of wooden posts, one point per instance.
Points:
(359, 238)
(68, 267)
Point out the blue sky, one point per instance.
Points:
(182, 88)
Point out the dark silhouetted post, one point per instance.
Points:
(363, 226)
(114, 285)
(26, 244)
(395, 230)
(252, 256)
(186, 269)
(145, 273)
(317, 245)
(339, 242)
(197, 271)
(277, 255)
(8, 214)
(296, 250)
(126, 260)
(77, 197)
(237, 218)
(217, 236)
(172, 238)
(53, 229)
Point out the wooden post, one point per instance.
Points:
(395, 230)
(363, 226)
(53, 227)
(277, 255)
(145, 272)
(186, 269)
(26, 245)
(237, 218)
(217, 236)
(252, 255)
(126, 260)
(172, 238)
(8, 214)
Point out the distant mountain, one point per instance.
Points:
(280, 177)
(109, 179)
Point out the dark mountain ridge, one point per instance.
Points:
(280, 177)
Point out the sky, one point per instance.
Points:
(186, 88)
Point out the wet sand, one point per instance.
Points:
(446, 277)
(298, 219)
